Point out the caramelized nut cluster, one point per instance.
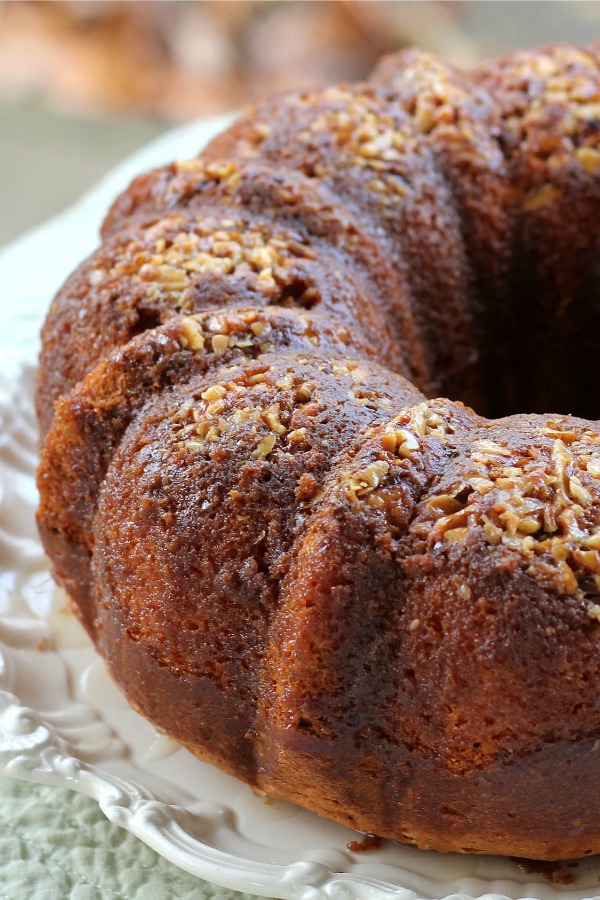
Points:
(543, 504)
(399, 440)
(550, 105)
(165, 258)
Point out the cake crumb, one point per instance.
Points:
(368, 842)
(554, 872)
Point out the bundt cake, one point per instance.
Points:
(379, 605)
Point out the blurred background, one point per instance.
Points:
(84, 83)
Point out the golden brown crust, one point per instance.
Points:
(337, 265)
(363, 146)
(381, 606)
(93, 418)
(466, 637)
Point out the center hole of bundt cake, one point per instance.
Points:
(538, 363)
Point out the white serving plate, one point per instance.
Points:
(63, 722)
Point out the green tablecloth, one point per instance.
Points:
(57, 845)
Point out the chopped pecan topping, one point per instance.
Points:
(544, 505)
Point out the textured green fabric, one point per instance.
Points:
(57, 845)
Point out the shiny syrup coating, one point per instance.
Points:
(295, 555)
